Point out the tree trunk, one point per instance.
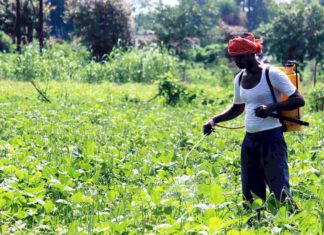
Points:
(30, 31)
(315, 72)
(18, 31)
(41, 26)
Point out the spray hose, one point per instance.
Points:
(230, 128)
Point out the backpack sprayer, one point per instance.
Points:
(291, 118)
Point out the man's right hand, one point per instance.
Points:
(208, 127)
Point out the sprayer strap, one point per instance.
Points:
(269, 84)
(284, 127)
(240, 78)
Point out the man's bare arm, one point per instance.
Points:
(294, 101)
(232, 112)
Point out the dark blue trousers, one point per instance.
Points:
(264, 162)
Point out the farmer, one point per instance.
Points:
(264, 151)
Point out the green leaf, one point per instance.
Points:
(49, 206)
(103, 227)
(214, 224)
(216, 194)
(256, 204)
(80, 198)
(165, 228)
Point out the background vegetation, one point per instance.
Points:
(128, 85)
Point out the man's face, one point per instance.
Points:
(243, 61)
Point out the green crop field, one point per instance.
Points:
(103, 159)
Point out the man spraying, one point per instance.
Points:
(264, 151)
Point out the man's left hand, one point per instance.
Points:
(264, 111)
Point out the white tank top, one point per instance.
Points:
(261, 95)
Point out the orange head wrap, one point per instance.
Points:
(244, 45)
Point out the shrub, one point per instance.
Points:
(316, 98)
(208, 54)
(94, 72)
(173, 91)
(29, 65)
(139, 65)
(5, 42)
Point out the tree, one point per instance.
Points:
(26, 15)
(257, 11)
(296, 34)
(41, 25)
(18, 23)
(285, 36)
(189, 19)
(315, 35)
(143, 22)
(231, 13)
(59, 28)
(101, 24)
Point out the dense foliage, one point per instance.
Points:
(208, 54)
(59, 27)
(257, 12)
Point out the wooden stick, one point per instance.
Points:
(39, 91)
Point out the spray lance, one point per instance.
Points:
(188, 154)
(201, 140)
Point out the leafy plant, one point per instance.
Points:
(208, 54)
(173, 91)
(316, 98)
(5, 42)
(136, 65)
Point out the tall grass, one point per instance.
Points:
(63, 62)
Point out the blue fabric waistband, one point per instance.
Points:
(275, 131)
